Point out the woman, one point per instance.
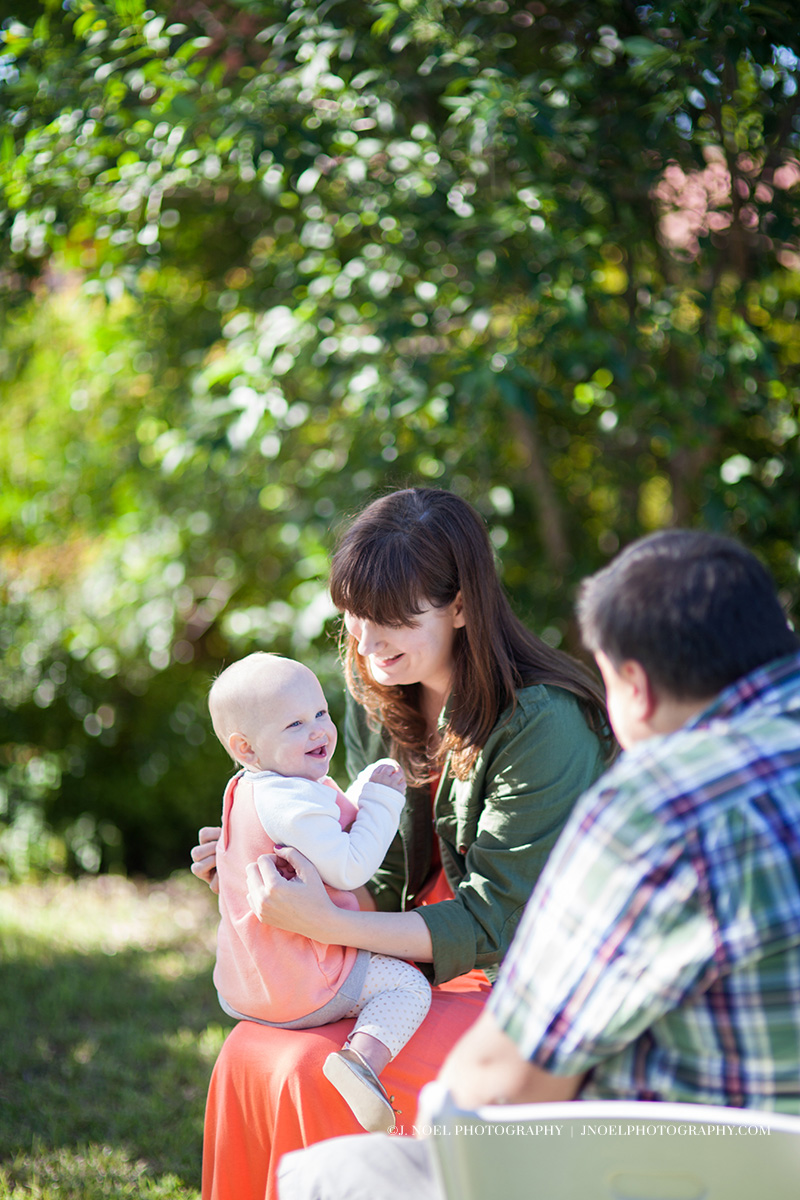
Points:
(498, 734)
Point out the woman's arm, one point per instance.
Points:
(499, 826)
(301, 905)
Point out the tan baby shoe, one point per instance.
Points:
(355, 1080)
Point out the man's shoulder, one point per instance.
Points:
(695, 772)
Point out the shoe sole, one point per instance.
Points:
(372, 1110)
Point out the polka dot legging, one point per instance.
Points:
(393, 1003)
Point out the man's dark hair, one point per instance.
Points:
(696, 610)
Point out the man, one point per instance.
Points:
(659, 956)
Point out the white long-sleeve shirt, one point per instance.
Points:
(304, 814)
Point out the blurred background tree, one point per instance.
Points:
(263, 261)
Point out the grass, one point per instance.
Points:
(110, 1030)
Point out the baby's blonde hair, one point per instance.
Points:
(240, 693)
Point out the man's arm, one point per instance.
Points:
(485, 1067)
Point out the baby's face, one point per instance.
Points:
(296, 736)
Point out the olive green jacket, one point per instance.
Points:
(495, 828)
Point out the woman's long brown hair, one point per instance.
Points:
(420, 547)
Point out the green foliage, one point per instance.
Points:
(264, 260)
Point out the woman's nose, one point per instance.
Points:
(368, 641)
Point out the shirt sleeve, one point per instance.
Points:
(304, 814)
(527, 779)
(617, 933)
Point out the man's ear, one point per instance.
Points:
(241, 749)
(641, 691)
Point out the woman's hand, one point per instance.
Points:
(204, 856)
(302, 905)
(298, 904)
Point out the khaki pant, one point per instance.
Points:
(362, 1167)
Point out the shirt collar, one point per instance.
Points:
(768, 684)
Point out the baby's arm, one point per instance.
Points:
(304, 814)
(386, 771)
(389, 773)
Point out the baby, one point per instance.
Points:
(270, 715)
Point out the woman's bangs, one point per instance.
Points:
(377, 587)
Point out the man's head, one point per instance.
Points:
(695, 612)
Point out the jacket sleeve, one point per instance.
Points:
(503, 824)
(305, 815)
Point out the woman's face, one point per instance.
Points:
(418, 652)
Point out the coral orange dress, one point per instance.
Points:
(268, 1094)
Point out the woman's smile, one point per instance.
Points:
(383, 663)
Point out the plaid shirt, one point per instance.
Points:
(661, 947)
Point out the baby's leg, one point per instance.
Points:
(393, 1003)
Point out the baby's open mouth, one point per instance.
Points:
(318, 752)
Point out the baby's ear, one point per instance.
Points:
(241, 749)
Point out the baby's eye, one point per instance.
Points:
(292, 724)
(323, 712)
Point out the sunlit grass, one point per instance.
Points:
(110, 1030)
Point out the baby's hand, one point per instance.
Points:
(390, 775)
(284, 868)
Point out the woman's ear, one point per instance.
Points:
(459, 620)
(241, 749)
